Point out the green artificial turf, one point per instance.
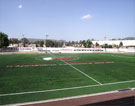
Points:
(38, 78)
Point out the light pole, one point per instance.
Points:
(105, 43)
(134, 48)
(23, 40)
(46, 42)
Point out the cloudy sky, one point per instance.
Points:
(68, 19)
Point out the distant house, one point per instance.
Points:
(31, 45)
(21, 45)
(13, 45)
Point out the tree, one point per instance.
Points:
(109, 46)
(97, 44)
(4, 42)
(14, 41)
(41, 43)
(56, 44)
(117, 46)
(113, 39)
(49, 43)
(69, 43)
(92, 39)
(60, 44)
(121, 44)
(105, 46)
(89, 43)
(84, 43)
(25, 41)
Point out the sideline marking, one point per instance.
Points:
(80, 71)
(122, 56)
(65, 98)
(62, 89)
(60, 99)
(115, 55)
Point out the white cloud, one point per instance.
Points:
(88, 16)
(19, 6)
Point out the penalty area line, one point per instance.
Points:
(62, 89)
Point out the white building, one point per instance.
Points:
(116, 42)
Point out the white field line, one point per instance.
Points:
(85, 74)
(65, 98)
(62, 89)
(129, 55)
(60, 99)
(80, 71)
(122, 56)
(118, 56)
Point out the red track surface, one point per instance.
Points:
(86, 101)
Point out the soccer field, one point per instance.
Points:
(27, 77)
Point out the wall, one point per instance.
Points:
(71, 50)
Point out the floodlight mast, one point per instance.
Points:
(23, 40)
(46, 42)
(134, 48)
(105, 43)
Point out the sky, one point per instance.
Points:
(68, 19)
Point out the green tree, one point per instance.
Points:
(41, 43)
(49, 43)
(105, 46)
(89, 44)
(117, 46)
(4, 42)
(37, 43)
(109, 46)
(60, 44)
(69, 43)
(121, 44)
(25, 41)
(97, 44)
(84, 43)
(14, 41)
(56, 44)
